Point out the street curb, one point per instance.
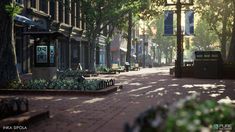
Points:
(23, 121)
(101, 92)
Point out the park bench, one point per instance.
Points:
(115, 68)
(135, 67)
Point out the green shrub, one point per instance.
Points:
(102, 69)
(36, 84)
(66, 84)
(74, 74)
(15, 85)
(189, 115)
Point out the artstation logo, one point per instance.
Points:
(222, 127)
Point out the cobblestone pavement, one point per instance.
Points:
(141, 90)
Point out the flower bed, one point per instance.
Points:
(68, 80)
(188, 115)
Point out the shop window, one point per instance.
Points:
(33, 3)
(52, 9)
(45, 55)
(78, 15)
(41, 52)
(43, 5)
(61, 13)
(19, 2)
(73, 14)
(67, 12)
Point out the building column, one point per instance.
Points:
(70, 53)
(75, 14)
(48, 7)
(28, 3)
(38, 4)
(69, 13)
(56, 11)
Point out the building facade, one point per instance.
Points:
(51, 16)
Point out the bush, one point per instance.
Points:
(15, 85)
(36, 84)
(102, 69)
(74, 74)
(186, 115)
(66, 84)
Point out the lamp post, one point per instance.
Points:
(179, 59)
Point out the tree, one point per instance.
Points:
(204, 38)
(231, 56)
(8, 70)
(99, 14)
(219, 15)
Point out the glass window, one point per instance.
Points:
(19, 1)
(52, 9)
(41, 54)
(33, 3)
(61, 13)
(43, 5)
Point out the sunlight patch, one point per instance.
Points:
(153, 82)
(226, 100)
(154, 91)
(173, 85)
(141, 88)
(43, 98)
(57, 100)
(187, 86)
(192, 92)
(214, 95)
(135, 84)
(91, 101)
(76, 112)
(74, 98)
(162, 80)
(178, 93)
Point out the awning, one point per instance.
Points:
(52, 35)
(123, 49)
(25, 20)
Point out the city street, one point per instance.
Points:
(141, 90)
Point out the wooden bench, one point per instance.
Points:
(115, 68)
(136, 67)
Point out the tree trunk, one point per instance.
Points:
(108, 54)
(128, 53)
(92, 62)
(159, 57)
(8, 70)
(224, 37)
(231, 55)
(108, 47)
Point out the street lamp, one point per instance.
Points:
(179, 60)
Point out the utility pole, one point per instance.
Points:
(179, 59)
(178, 63)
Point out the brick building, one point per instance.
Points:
(40, 16)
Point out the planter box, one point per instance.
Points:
(101, 92)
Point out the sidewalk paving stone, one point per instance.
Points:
(141, 90)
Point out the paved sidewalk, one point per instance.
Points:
(142, 89)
